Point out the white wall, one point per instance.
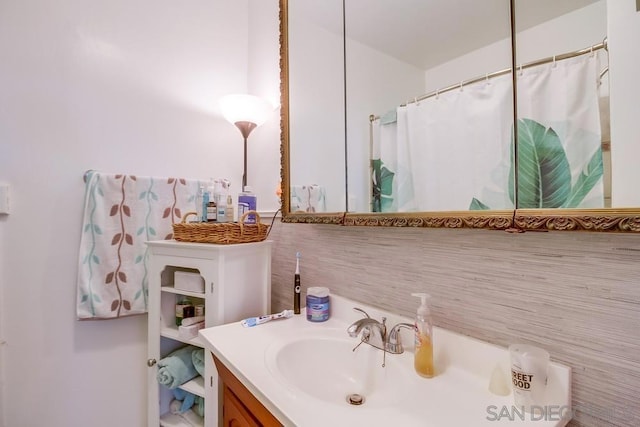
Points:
(376, 84)
(624, 63)
(316, 104)
(264, 80)
(121, 86)
(2, 333)
(577, 30)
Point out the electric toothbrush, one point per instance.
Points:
(296, 286)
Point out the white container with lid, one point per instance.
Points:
(318, 304)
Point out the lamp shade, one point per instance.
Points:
(245, 108)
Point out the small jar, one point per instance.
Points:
(199, 310)
(317, 304)
(181, 304)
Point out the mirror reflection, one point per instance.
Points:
(316, 106)
(362, 95)
(563, 153)
(429, 105)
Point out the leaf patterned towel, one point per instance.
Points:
(308, 198)
(121, 213)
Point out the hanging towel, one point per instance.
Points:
(121, 213)
(389, 117)
(197, 357)
(308, 198)
(177, 368)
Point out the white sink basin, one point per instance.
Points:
(303, 372)
(324, 366)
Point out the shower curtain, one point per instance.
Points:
(454, 151)
(559, 135)
(442, 153)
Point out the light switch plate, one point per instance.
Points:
(4, 199)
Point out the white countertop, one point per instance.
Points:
(457, 396)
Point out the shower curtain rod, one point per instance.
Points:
(602, 45)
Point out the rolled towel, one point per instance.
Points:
(177, 368)
(198, 407)
(185, 398)
(197, 358)
(174, 406)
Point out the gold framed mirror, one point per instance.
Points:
(620, 219)
(576, 81)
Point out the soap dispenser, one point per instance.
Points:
(424, 339)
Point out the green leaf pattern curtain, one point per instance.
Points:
(559, 135)
(455, 151)
(440, 153)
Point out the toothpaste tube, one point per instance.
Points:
(253, 321)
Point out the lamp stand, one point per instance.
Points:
(245, 130)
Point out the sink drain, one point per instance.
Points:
(355, 399)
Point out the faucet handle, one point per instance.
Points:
(363, 312)
(393, 342)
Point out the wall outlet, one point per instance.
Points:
(4, 199)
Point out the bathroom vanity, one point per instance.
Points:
(301, 373)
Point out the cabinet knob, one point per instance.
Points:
(151, 362)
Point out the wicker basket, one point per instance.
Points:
(223, 233)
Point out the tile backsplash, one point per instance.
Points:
(577, 294)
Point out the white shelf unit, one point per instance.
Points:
(237, 285)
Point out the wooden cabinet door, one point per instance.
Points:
(234, 414)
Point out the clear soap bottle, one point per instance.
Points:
(200, 203)
(423, 362)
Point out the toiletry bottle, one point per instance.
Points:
(220, 200)
(423, 362)
(247, 201)
(212, 211)
(199, 203)
(205, 203)
(229, 210)
(318, 304)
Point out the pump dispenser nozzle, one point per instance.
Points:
(424, 307)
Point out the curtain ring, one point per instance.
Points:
(486, 79)
(554, 61)
(437, 93)
(591, 51)
(520, 70)
(461, 82)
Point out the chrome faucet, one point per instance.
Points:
(394, 346)
(374, 333)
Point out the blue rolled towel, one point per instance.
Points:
(187, 399)
(197, 357)
(177, 368)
